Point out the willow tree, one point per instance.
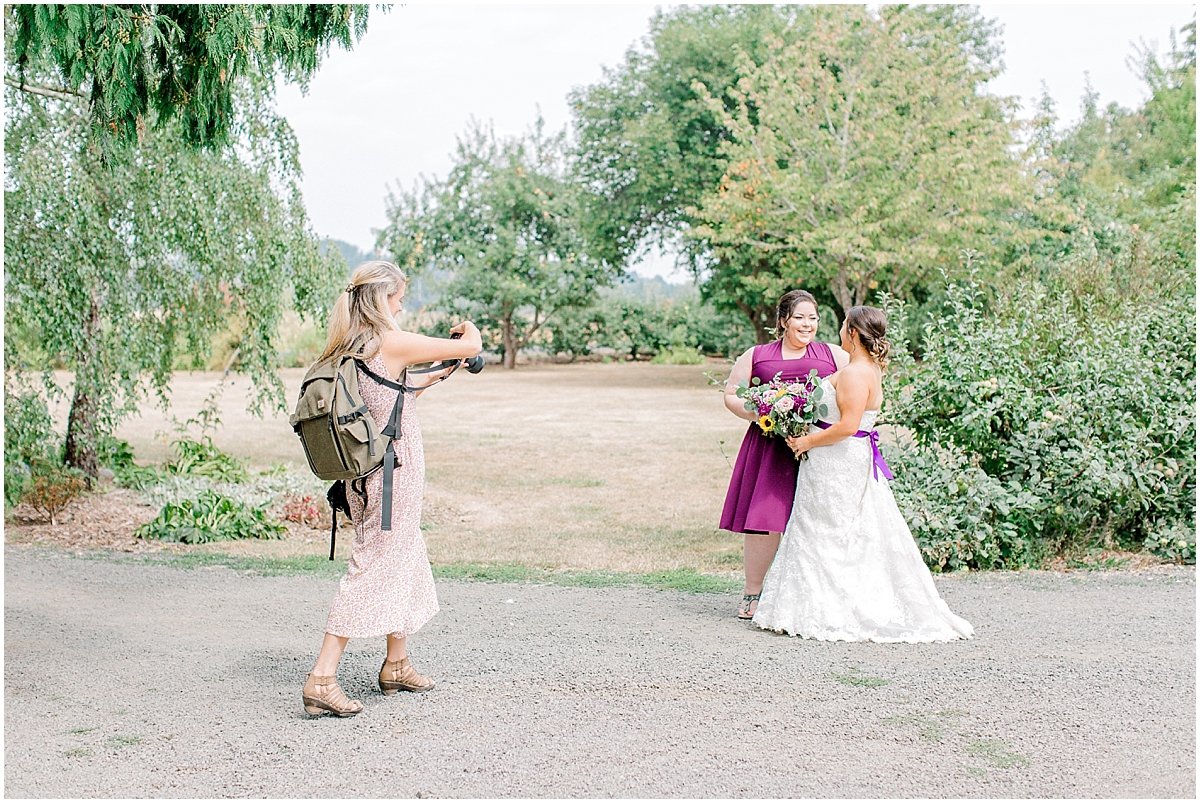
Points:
(862, 156)
(152, 193)
(503, 228)
(142, 65)
(120, 271)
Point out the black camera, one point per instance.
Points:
(473, 365)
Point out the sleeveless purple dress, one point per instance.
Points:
(763, 484)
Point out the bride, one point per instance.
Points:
(847, 568)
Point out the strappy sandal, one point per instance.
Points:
(400, 675)
(334, 700)
(744, 611)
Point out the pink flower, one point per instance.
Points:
(785, 404)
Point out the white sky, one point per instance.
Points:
(390, 110)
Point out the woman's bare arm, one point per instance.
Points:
(740, 373)
(402, 349)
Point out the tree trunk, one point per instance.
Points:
(509, 341)
(80, 451)
(762, 322)
(841, 288)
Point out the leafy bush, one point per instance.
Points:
(268, 490)
(117, 455)
(29, 440)
(1175, 543)
(1081, 419)
(961, 517)
(685, 327)
(211, 517)
(303, 509)
(202, 458)
(52, 488)
(678, 355)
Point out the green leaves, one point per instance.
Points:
(1051, 425)
(115, 272)
(861, 157)
(211, 517)
(148, 65)
(503, 229)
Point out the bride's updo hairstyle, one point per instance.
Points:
(361, 312)
(787, 306)
(870, 324)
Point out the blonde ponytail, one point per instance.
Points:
(360, 316)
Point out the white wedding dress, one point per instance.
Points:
(848, 568)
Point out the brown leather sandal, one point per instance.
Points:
(400, 675)
(334, 700)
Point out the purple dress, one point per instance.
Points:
(763, 484)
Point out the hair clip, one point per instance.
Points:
(349, 288)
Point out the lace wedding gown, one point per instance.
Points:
(848, 568)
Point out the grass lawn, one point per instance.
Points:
(614, 469)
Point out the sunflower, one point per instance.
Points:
(766, 424)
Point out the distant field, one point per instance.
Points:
(596, 467)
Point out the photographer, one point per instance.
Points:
(388, 586)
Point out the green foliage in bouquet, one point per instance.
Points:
(211, 517)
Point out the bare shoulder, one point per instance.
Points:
(742, 367)
(841, 357)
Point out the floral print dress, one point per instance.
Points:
(388, 586)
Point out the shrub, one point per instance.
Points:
(29, 440)
(52, 488)
(210, 517)
(202, 458)
(303, 509)
(1083, 415)
(117, 455)
(678, 355)
(1176, 543)
(961, 517)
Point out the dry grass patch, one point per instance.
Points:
(613, 467)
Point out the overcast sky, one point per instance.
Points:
(390, 110)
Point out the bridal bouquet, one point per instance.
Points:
(785, 409)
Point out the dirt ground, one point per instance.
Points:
(591, 466)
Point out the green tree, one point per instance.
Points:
(865, 156)
(149, 64)
(116, 270)
(649, 146)
(1121, 182)
(503, 227)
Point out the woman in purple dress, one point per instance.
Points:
(763, 485)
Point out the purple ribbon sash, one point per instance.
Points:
(877, 461)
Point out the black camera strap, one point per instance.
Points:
(392, 430)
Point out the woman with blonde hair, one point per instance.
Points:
(388, 586)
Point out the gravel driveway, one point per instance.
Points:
(125, 680)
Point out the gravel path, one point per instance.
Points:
(126, 680)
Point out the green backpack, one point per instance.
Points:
(340, 438)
